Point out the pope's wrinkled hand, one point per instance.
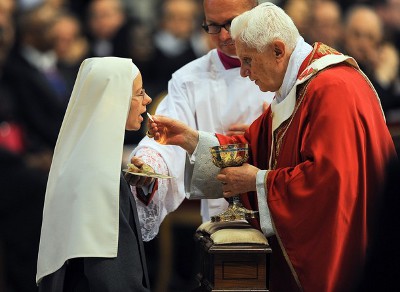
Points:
(140, 166)
(238, 180)
(237, 129)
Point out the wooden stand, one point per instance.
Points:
(232, 267)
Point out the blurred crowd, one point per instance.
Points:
(42, 43)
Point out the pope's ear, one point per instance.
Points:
(279, 49)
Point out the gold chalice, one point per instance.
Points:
(227, 156)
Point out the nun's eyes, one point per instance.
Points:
(142, 93)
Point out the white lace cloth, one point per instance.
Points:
(151, 216)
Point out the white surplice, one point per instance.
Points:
(207, 97)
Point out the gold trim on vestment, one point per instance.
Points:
(280, 133)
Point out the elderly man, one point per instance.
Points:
(318, 154)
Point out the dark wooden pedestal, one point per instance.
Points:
(232, 267)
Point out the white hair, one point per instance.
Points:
(265, 23)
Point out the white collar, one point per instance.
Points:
(169, 44)
(42, 61)
(301, 51)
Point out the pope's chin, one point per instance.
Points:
(261, 86)
(263, 89)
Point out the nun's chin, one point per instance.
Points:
(135, 127)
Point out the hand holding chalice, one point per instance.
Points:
(231, 155)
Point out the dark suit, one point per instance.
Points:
(40, 107)
(21, 200)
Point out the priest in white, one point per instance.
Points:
(207, 94)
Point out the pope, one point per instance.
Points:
(317, 155)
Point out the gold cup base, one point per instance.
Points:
(235, 212)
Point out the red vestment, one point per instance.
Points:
(323, 188)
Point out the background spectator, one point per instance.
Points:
(70, 46)
(42, 93)
(177, 40)
(300, 12)
(326, 23)
(389, 13)
(106, 26)
(363, 39)
(23, 175)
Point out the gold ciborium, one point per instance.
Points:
(227, 156)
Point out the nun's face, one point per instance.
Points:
(138, 105)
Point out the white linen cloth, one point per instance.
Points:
(207, 97)
(81, 209)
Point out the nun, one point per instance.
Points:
(90, 237)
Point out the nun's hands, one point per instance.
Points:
(137, 165)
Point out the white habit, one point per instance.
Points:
(81, 209)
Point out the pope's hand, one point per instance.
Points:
(169, 131)
(139, 166)
(238, 179)
(237, 129)
(265, 106)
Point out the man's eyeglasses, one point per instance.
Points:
(216, 28)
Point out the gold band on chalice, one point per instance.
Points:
(227, 156)
(148, 134)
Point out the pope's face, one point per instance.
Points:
(222, 12)
(262, 68)
(138, 105)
